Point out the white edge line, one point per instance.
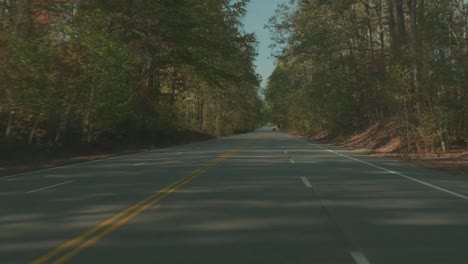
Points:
(152, 150)
(359, 257)
(397, 173)
(5, 178)
(51, 186)
(10, 193)
(306, 182)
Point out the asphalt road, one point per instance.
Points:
(263, 197)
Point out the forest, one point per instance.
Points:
(84, 72)
(345, 65)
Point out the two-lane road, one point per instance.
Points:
(262, 197)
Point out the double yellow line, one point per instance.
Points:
(71, 248)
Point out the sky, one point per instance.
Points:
(258, 14)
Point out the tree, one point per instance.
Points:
(339, 82)
(86, 72)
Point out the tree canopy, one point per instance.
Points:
(346, 64)
(82, 71)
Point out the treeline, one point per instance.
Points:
(347, 64)
(93, 71)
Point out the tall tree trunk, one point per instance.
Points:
(414, 39)
(392, 26)
(381, 27)
(87, 116)
(10, 123)
(62, 124)
(201, 113)
(369, 28)
(219, 124)
(173, 87)
(33, 130)
(400, 24)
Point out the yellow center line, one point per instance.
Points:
(95, 229)
(93, 235)
(90, 242)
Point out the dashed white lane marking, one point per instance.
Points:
(285, 152)
(359, 257)
(306, 182)
(49, 187)
(397, 173)
(140, 164)
(157, 206)
(292, 161)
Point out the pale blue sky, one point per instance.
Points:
(259, 11)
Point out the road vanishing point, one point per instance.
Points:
(262, 197)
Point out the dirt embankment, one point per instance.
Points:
(385, 139)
